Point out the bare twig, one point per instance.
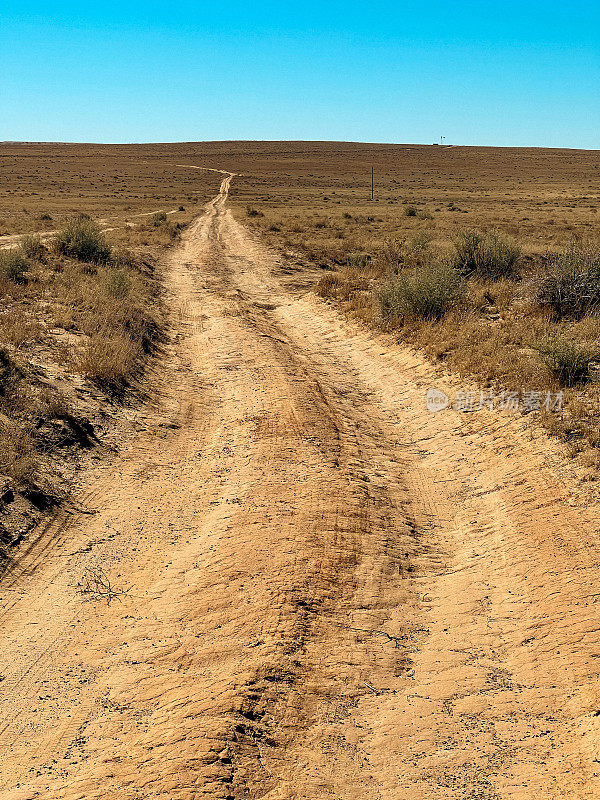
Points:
(95, 585)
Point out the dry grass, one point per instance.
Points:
(314, 199)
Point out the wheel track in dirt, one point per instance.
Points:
(333, 592)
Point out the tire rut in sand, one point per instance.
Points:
(333, 592)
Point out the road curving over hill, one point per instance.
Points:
(299, 583)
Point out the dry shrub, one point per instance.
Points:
(13, 265)
(81, 238)
(425, 293)
(486, 254)
(390, 255)
(568, 361)
(570, 283)
(159, 218)
(32, 247)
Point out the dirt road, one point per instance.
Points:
(326, 591)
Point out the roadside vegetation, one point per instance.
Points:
(473, 299)
(80, 318)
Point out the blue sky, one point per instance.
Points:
(478, 73)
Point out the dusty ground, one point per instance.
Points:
(323, 590)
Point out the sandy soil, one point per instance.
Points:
(323, 590)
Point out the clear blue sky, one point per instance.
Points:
(490, 73)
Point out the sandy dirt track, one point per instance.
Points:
(330, 592)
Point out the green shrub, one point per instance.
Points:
(426, 293)
(568, 362)
(83, 239)
(570, 283)
(487, 255)
(13, 265)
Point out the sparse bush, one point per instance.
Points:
(569, 362)
(13, 265)
(16, 328)
(32, 247)
(487, 255)
(83, 239)
(253, 212)
(410, 211)
(570, 283)
(159, 218)
(426, 293)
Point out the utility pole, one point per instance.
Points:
(372, 183)
(442, 139)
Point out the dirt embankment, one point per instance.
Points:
(320, 589)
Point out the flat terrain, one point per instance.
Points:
(543, 196)
(295, 581)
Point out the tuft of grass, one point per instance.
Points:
(343, 286)
(82, 239)
(569, 362)
(110, 359)
(425, 293)
(486, 255)
(13, 265)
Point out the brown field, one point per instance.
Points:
(541, 196)
(241, 558)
